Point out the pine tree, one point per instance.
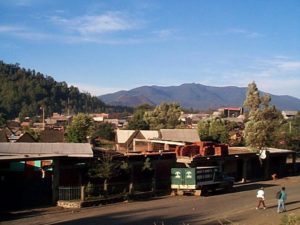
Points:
(263, 119)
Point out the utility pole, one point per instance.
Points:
(43, 117)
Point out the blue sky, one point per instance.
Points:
(106, 46)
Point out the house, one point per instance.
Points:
(152, 140)
(191, 120)
(231, 111)
(58, 121)
(180, 135)
(244, 164)
(118, 123)
(25, 137)
(289, 114)
(99, 117)
(14, 127)
(51, 136)
(125, 139)
(31, 173)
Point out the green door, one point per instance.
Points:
(189, 178)
(183, 178)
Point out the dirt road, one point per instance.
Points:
(237, 207)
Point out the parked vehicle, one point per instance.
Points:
(199, 179)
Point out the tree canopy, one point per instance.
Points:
(164, 116)
(80, 129)
(23, 92)
(105, 131)
(263, 119)
(213, 129)
(138, 122)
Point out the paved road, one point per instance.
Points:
(237, 208)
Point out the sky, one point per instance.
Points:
(107, 46)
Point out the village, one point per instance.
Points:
(149, 112)
(138, 163)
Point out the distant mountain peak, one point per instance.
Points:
(192, 95)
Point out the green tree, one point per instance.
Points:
(137, 122)
(288, 134)
(105, 131)
(218, 131)
(80, 129)
(106, 168)
(253, 100)
(203, 129)
(23, 91)
(262, 122)
(213, 129)
(164, 116)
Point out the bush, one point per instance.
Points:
(290, 219)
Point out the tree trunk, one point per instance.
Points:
(105, 185)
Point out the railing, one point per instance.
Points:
(96, 191)
(69, 193)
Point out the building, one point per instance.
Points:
(31, 173)
(289, 114)
(231, 111)
(152, 140)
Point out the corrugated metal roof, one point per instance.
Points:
(278, 150)
(58, 149)
(150, 134)
(124, 135)
(246, 150)
(184, 135)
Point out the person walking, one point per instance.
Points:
(281, 200)
(261, 198)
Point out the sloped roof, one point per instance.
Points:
(246, 150)
(52, 136)
(278, 150)
(184, 135)
(290, 113)
(19, 150)
(150, 134)
(124, 135)
(26, 137)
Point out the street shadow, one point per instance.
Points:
(251, 186)
(237, 188)
(154, 216)
(7, 216)
(288, 204)
(10, 215)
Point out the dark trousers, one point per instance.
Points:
(261, 201)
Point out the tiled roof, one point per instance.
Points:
(150, 134)
(43, 149)
(52, 136)
(184, 135)
(124, 135)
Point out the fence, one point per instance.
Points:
(69, 193)
(96, 191)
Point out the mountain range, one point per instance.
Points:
(192, 95)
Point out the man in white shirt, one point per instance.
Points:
(261, 198)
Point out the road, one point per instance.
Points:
(237, 207)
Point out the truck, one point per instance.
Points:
(198, 180)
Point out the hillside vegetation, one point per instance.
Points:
(24, 92)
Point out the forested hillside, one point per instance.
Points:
(23, 92)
